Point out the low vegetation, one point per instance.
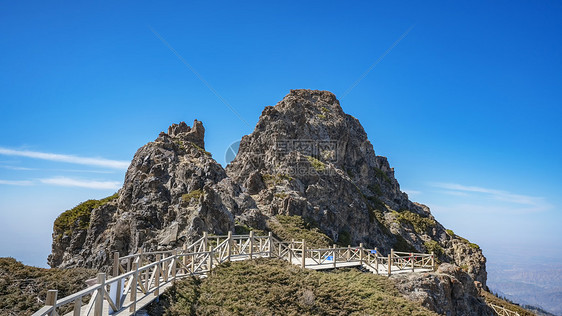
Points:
(295, 227)
(491, 298)
(419, 223)
(470, 244)
(24, 288)
(382, 175)
(433, 246)
(274, 287)
(275, 179)
(243, 229)
(195, 194)
(182, 145)
(316, 164)
(201, 149)
(402, 244)
(79, 216)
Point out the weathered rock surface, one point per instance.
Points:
(173, 191)
(306, 157)
(449, 291)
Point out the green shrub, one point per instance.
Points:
(201, 149)
(433, 246)
(274, 287)
(450, 233)
(322, 116)
(289, 227)
(281, 195)
(21, 286)
(382, 175)
(470, 244)
(195, 194)
(79, 216)
(375, 188)
(344, 238)
(325, 109)
(243, 229)
(316, 164)
(275, 179)
(420, 224)
(402, 244)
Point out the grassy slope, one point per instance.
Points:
(490, 298)
(297, 228)
(22, 287)
(274, 287)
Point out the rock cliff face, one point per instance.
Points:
(173, 191)
(449, 291)
(306, 157)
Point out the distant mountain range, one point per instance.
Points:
(528, 284)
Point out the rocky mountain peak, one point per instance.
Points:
(182, 131)
(306, 158)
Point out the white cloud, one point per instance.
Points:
(91, 184)
(529, 203)
(99, 162)
(16, 182)
(17, 168)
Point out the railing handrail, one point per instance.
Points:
(200, 257)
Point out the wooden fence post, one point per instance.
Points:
(184, 258)
(174, 265)
(133, 288)
(210, 258)
(205, 239)
(334, 255)
(52, 301)
(166, 268)
(432, 261)
(251, 244)
(348, 252)
(193, 263)
(157, 275)
(303, 262)
(389, 264)
(361, 253)
(377, 260)
(392, 257)
(270, 244)
(116, 264)
(98, 307)
(412, 258)
(229, 246)
(291, 246)
(141, 257)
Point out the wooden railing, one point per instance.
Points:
(502, 311)
(140, 278)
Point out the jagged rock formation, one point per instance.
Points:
(449, 291)
(306, 157)
(173, 191)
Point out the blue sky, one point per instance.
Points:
(466, 106)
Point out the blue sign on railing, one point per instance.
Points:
(329, 258)
(373, 251)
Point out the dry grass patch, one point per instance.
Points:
(274, 287)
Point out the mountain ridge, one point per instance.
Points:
(306, 158)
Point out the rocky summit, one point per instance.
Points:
(305, 158)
